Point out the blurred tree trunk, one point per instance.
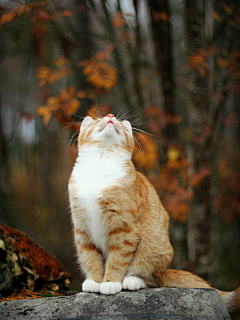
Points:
(82, 42)
(199, 154)
(84, 30)
(122, 71)
(164, 55)
(5, 198)
(3, 170)
(134, 53)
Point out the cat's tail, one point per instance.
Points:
(185, 279)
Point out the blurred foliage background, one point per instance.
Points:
(172, 67)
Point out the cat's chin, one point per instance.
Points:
(109, 127)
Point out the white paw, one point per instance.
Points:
(90, 286)
(110, 287)
(133, 283)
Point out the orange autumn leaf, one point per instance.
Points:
(177, 207)
(197, 61)
(163, 16)
(125, 36)
(44, 74)
(100, 74)
(102, 55)
(216, 16)
(111, 47)
(222, 63)
(52, 103)
(45, 112)
(59, 69)
(73, 105)
(118, 20)
(41, 15)
(63, 106)
(181, 212)
(34, 9)
(234, 65)
(20, 10)
(98, 71)
(7, 17)
(152, 111)
(12, 14)
(227, 9)
(81, 94)
(173, 184)
(67, 13)
(211, 49)
(198, 177)
(147, 157)
(28, 294)
(158, 16)
(61, 61)
(71, 91)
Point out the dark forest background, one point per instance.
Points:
(172, 67)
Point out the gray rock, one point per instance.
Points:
(160, 303)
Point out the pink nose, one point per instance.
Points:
(110, 115)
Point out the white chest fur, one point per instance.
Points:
(93, 172)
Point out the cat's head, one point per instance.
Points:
(106, 132)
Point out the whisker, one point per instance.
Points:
(139, 144)
(121, 110)
(97, 110)
(150, 134)
(80, 116)
(124, 115)
(93, 116)
(131, 116)
(69, 124)
(141, 136)
(73, 136)
(137, 150)
(138, 124)
(136, 120)
(75, 140)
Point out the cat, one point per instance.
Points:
(120, 226)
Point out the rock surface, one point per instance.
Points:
(147, 304)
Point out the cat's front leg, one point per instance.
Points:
(121, 250)
(133, 283)
(91, 261)
(90, 285)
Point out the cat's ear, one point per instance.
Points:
(127, 125)
(86, 122)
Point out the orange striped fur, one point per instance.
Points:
(120, 226)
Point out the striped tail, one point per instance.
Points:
(185, 279)
(231, 299)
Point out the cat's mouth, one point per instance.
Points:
(110, 122)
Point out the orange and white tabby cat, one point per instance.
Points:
(120, 226)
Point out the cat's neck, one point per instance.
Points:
(102, 165)
(97, 154)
